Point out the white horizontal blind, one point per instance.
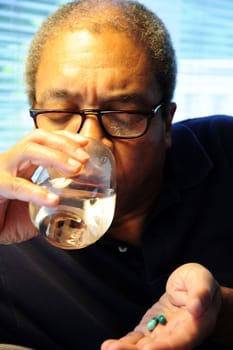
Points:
(18, 22)
(202, 32)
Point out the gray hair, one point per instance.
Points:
(127, 16)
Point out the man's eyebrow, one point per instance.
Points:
(136, 98)
(63, 94)
(58, 94)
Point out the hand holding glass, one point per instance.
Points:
(87, 201)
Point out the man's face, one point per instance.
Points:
(108, 71)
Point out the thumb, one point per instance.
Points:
(192, 287)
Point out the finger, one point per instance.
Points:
(41, 145)
(132, 337)
(193, 287)
(112, 344)
(48, 157)
(127, 342)
(81, 140)
(64, 141)
(43, 135)
(24, 190)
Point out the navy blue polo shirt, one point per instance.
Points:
(72, 300)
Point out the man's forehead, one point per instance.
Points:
(86, 62)
(80, 46)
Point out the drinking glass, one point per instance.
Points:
(87, 201)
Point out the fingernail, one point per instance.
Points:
(74, 163)
(82, 154)
(81, 139)
(52, 197)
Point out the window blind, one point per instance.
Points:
(19, 21)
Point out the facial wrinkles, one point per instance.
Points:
(93, 68)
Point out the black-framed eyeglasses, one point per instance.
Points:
(124, 124)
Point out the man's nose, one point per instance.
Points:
(92, 128)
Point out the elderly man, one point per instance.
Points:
(160, 278)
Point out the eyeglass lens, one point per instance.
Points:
(115, 124)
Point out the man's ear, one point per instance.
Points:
(168, 123)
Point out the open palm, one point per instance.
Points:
(191, 304)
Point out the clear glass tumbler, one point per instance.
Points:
(87, 201)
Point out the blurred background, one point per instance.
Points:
(202, 34)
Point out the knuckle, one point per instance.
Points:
(38, 133)
(27, 146)
(16, 186)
